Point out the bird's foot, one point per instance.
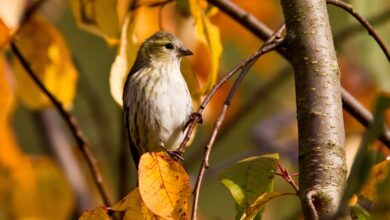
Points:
(195, 116)
(175, 154)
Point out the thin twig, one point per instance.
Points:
(225, 78)
(350, 104)
(72, 124)
(351, 30)
(271, 44)
(260, 94)
(310, 196)
(348, 8)
(288, 178)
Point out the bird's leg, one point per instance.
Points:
(195, 116)
(175, 154)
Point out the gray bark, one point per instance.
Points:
(322, 166)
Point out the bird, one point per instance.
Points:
(156, 99)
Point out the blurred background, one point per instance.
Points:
(43, 166)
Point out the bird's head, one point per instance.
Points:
(163, 47)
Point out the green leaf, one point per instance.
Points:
(366, 157)
(258, 205)
(381, 209)
(248, 179)
(359, 213)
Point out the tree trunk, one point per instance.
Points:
(322, 165)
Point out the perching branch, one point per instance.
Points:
(274, 42)
(72, 124)
(215, 88)
(322, 159)
(347, 7)
(350, 104)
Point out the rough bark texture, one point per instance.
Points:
(322, 166)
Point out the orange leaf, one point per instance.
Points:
(40, 187)
(5, 34)
(377, 175)
(134, 206)
(133, 33)
(98, 213)
(10, 154)
(208, 34)
(164, 185)
(44, 48)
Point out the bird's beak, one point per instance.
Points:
(182, 51)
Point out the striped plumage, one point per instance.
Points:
(156, 99)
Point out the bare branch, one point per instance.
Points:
(310, 196)
(347, 7)
(224, 79)
(375, 20)
(288, 178)
(273, 43)
(72, 124)
(260, 94)
(350, 104)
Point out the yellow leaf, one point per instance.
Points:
(377, 175)
(259, 204)
(98, 213)
(134, 206)
(209, 35)
(99, 17)
(40, 190)
(10, 155)
(125, 58)
(133, 33)
(164, 185)
(46, 51)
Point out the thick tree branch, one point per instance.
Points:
(347, 7)
(271, 44)
(263, 32)
(73, 126)
(322, 159)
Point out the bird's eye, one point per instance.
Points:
(169, 46)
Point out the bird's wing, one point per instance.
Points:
(137, 66)
(134, 152)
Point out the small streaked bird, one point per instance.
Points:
(156, 100)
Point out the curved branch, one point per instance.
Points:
(349, 31)
(260, 94)
(271, 44)
(347, 7)
(225, 78)
(350, 104)
(310, 196)
(72, 124)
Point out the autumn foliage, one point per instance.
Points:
(55, 184)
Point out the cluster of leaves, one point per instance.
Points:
(163, 192)
(121, 24)
(27, 179)
(367, 174)
(128, 18)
